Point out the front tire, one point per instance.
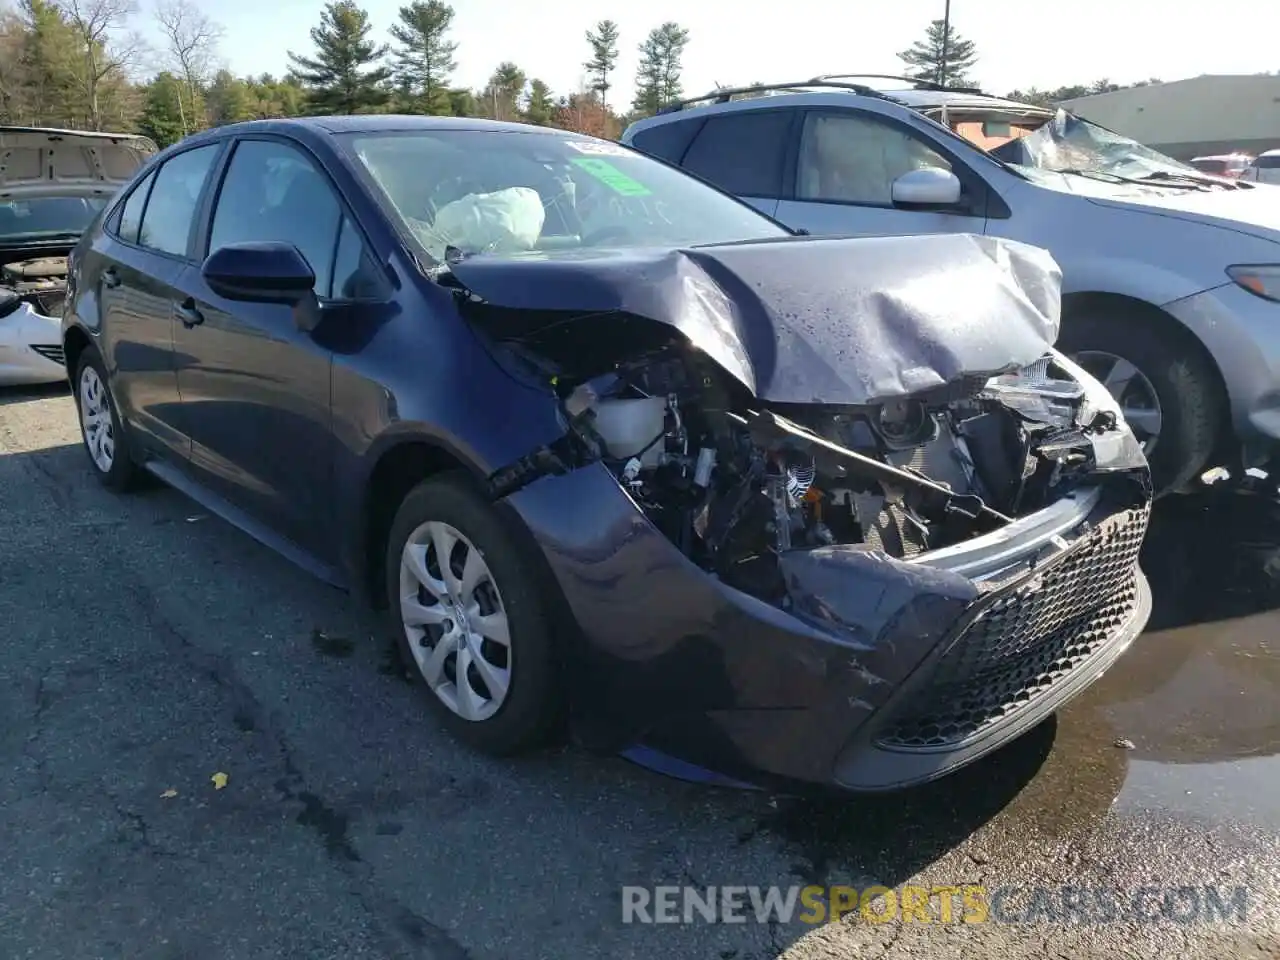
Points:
(469, 618)
(105, 441)
(1168, 392)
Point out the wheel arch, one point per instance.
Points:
(74, 343)
(397, 469)
(1156, 318)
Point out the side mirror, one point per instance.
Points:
(930, 188)
(265, 272)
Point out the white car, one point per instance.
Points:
(53, 183)
(1264, 169)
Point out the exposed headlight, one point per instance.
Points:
(1260, 279)
(1097, 399)
(1116, 449)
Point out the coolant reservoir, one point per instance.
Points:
(629, 426)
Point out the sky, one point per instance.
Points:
(740, 41)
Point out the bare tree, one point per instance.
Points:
(191, 51)
(107, 55)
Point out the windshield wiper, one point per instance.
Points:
(1169, 176)
(1142, 182)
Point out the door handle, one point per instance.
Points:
(188, 313)
(110, 279)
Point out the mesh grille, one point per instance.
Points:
(1027, 639)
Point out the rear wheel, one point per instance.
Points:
(104, 440)
(1168, 392)
(469, 618)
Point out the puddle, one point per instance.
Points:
(1199, 693)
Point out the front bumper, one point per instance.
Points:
(1242, 333)
(30, 348)
(884, 674)
(1040, 635)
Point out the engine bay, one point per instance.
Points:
(40, 281)
(733, 484)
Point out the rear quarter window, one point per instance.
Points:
(130, 217)
(743, 153)
(668, 141)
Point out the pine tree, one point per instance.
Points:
(424, 58)
(540, 108)
(604, 57)
(44, 68)
(504, 91)
(162, 115)
(228, 99)
(925, 60)
(345, 75)
(462, 103)
(658, 76)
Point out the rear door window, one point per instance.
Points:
(175, 196)
(743, 153)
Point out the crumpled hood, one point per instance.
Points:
(1252, 211)
(40, 162)
(795, 320)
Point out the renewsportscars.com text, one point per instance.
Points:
(1183, 905)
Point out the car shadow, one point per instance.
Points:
(1214, 554)
(25, 394)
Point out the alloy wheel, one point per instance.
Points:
(1131, 389)
(455, 621)
(95, 420)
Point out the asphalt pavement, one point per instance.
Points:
(150, 648)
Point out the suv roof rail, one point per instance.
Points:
(725, 94)
(917, 82)
(833, 81)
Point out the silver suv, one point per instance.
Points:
(1171, 276)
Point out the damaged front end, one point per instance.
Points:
(32, 294)
(961, 471)
(740, 487)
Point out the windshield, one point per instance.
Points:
(480, 191)
(46, 218)
(1068, 144)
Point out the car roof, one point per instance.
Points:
(380, 123)
(837, 91)
(1270, 153)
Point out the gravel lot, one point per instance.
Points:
(150, 647)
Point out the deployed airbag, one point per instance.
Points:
(796, 320)
(505, 221)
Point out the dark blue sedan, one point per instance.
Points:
(616, 451)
